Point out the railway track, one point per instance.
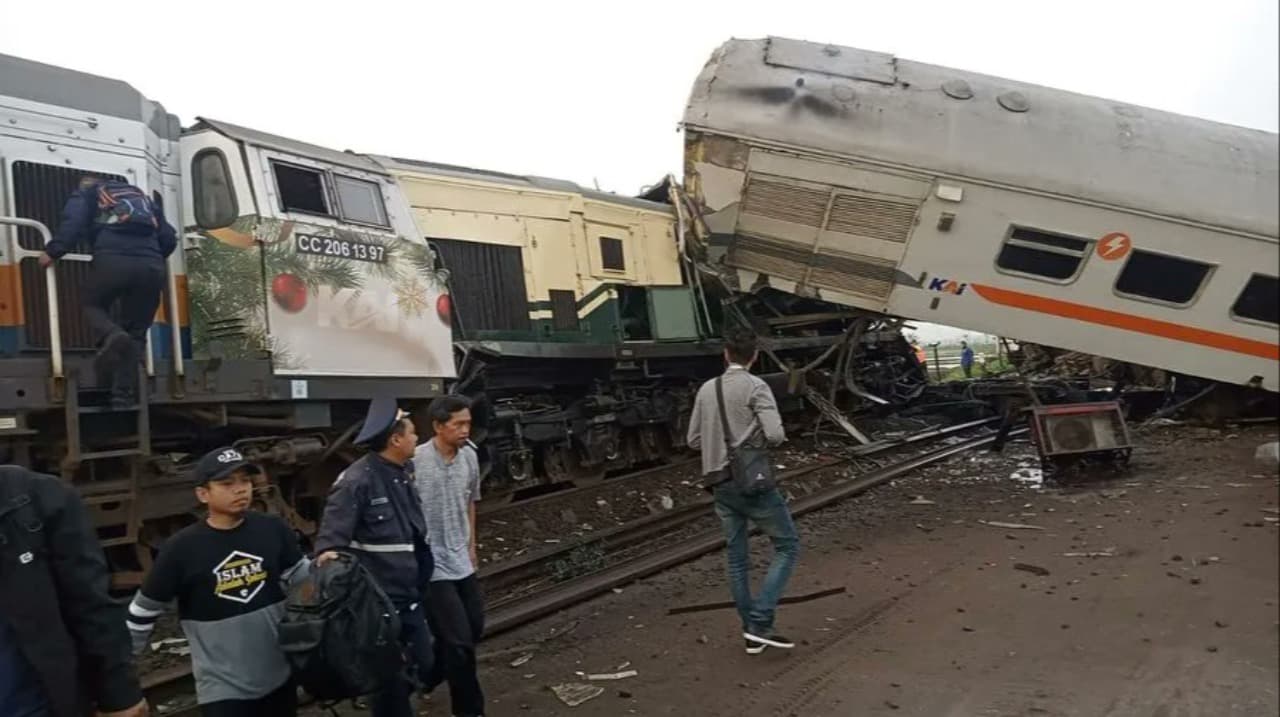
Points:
(511, 501)
(525, 589)
(520, 608)
(499, 579)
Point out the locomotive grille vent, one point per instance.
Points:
(769, 256)
(785, 202)
(39, 192)
(875, 217)
(852, 273)
(864, 275)
(864, 214)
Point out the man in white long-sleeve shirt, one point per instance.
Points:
(752, 416)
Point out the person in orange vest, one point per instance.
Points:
(921, 357)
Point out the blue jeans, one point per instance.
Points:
(393, 700)
(767, 511)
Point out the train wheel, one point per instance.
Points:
(520, 465)
(558, 463)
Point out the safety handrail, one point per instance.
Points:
(50, 284)
(175, 327)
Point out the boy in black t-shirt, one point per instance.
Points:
(229, 575)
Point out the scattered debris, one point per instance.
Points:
(1108, 553)
(1009, 526)
(789, 600)
(1029, 568)
(1028, 474)
(1268, 454)
(612, 675)
(576, 693)
(921, 527)
(921, 500)
(172, 646)
(522, 659)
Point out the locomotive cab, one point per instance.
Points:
(307, 256)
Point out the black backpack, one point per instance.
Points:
(340, 632)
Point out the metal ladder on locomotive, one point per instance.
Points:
(115, 501)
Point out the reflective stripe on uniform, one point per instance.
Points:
(382, 548)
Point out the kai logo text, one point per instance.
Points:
(947, 286)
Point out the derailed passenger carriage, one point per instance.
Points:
(302, 288)
(940, 195)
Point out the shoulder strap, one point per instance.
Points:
(724, 416)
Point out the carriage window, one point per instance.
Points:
(611, 258)
(215, 202)
(1052, 256)
(1164, 278)
(360, 201)
(1260, 300)
(301, 189)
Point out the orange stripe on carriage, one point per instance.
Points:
(11, 312)
(162, 311)
(1129, 322)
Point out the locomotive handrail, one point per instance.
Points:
(175, 328)
(50, 285)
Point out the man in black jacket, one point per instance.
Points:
(64, 649)
(130, 240)
(374, 513)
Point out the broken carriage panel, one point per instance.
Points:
(321, 269)
(809, 227)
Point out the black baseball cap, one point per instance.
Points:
(220, 463)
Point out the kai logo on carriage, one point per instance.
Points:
(947, 286)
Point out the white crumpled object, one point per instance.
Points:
(1268, 454)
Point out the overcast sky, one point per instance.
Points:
(593, 91)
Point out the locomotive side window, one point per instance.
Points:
(215, 202)
(1258, 300)
(1042, 254)
(611, 258)
(301, 189)
(360, 201)
(1148, 275)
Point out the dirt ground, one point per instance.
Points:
(1178, 617)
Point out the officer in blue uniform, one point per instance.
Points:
(373, 512)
